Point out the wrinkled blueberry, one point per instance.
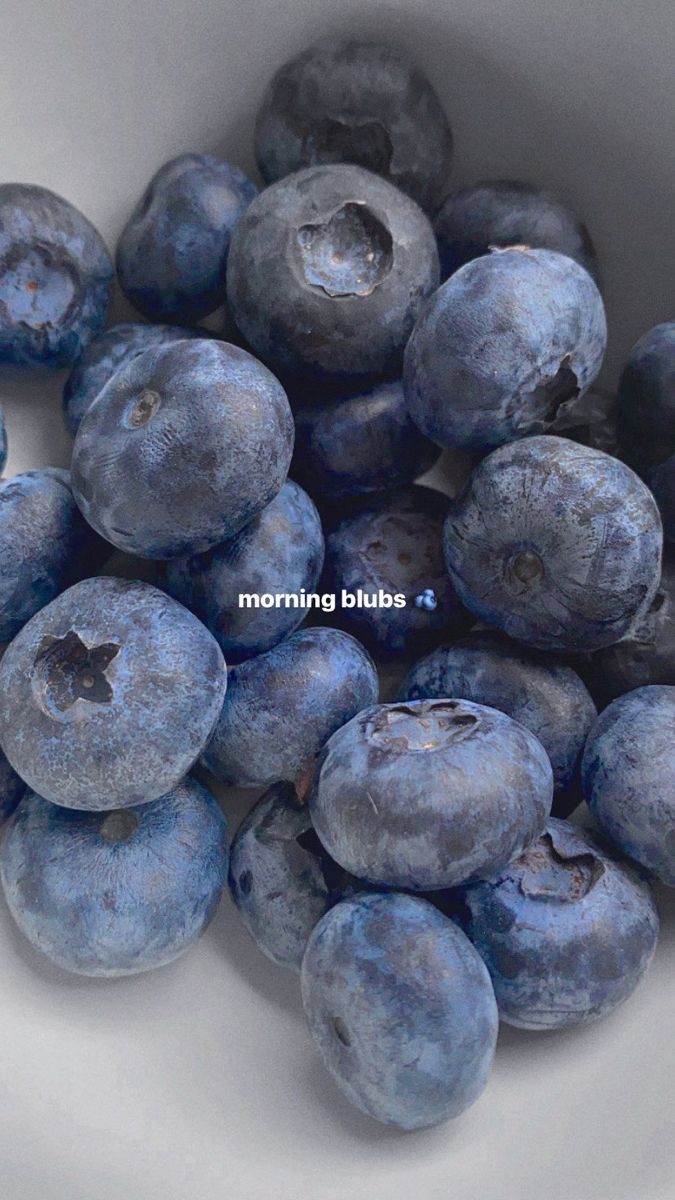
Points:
(45, 545)
(565, 931)
(104, 356)
(646, 399)
(108, 695)
(358, 444)
(506, 212)
(12, 788)
(343, 101)
(282, 707)
(115, 893)
(185, 445)
(506, 348)
(425, 794)
(401, 1009)
(543, 694)
(328, 271)
(555, 543)
(55, 278)
(393, 544)
(627, 769)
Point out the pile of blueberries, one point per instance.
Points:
(413, 859)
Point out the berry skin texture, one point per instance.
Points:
(55, 278)
(544, 695)
(328, 272)
(359, 444)
(104, 356)
(115, 893)
(401, 1009)
(627, 773)
(172, 253)
(45, 545)
(282, 707)
(645, 406)
(662, 483)
(282, 881)
(183, 447)
(108, 695)
(556, 544)
(279, 551)
(505, 349)
(394, 542)
(565, 931)
(426, 794)
(505, 212)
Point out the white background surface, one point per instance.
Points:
(198, 1082)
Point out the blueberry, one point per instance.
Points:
(118, 892)
(281, 707)
(55, 278)
(105, 355)
(357, 102)
(401, 1009)
(172, 253)
(425, 794)
(281, 878)
(3, 441)
(12, 788)
(506, 212)
(555, 543)
(506, 348)
(646, 398)
(566, 931)
(542, 693)
(627, 772)
(108, 695)
(328, 271)
(393, 544)
(183, 447)
(662, 483)
(359, 443)
(45, 545)
(279, 552)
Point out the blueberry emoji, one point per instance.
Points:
(645, 409)
(343, 101)
(55, 278)
(627, 770)
(108, 695)
(184, 446)
(425, 794)
(328, 272)
(115, 893)
(506, 348)
(565, 931)
(556, 544)
(281, 707)
(401, 1009)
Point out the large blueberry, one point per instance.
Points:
(359, 443)
(628, 769)
(280, 552)
(393, 545)
(182, 448)
(555, 543)
(645, 406)
(344, 101)
(662, 483)
(505, 212)
(172, 253)
(12, 788)
(506, 348)
(282, 707)
(542, 693)
(565, 930)
(281, 878)
(45, 545)
(328, 272)
(108, 695)
(115, 893)
(401, 1009)
(425, 794)
(105, 355)
(55, 278)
